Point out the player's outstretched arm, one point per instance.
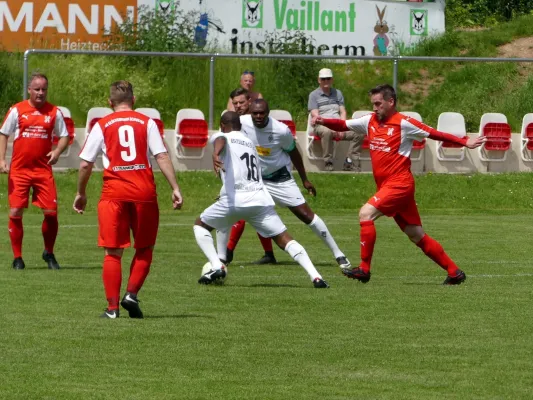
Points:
(4, 169)
(166, 167)
(80, 201)
(298, 163)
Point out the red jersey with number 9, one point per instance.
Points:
(125, 138)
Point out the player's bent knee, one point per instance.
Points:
(282, 239)
(113, 251)
(368, 213)
(415, 233)
(16, 212)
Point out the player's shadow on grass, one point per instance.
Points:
(67, 267)
(291, 263)
(178, 316)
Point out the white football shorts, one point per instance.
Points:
(265, 220)
(285, 194)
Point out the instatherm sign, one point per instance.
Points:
(327, 27)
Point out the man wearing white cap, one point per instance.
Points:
(328, 102)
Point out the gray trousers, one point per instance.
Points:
(326, 135)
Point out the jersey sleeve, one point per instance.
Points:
(155, 142)
(416, 130)
(10, 124)
(215, 136)
(93, 144)
(359, 125)
(340, 98)
(60, 128)
(287, 140)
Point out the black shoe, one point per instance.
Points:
(268, 258)
(357, 273)
(110, 314)
(320, 283)
(212, 275)
(229, 256)
(329, 166)
(18, 263)
(50, 260)
(343, 262)
(455, 280)
(131, 304)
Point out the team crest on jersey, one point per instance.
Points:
(47, 119)
(270, 138)
(390, 131)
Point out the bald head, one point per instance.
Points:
(230, 121)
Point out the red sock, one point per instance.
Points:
(140, 266)
(112, 277)
(266, 243)
(16, 233)
(49, 229)
(236, 233)
(368, 240)
(434, 250)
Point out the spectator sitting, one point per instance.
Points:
(247, 82)
(328, 102)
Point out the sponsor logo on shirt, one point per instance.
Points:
(263, 151)
(136, 167)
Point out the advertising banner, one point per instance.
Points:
(327, 27)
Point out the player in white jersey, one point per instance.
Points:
(243, 196)
(277, 151)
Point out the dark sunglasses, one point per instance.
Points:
(246, 72)
(325, 79)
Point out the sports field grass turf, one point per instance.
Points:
(267, 334)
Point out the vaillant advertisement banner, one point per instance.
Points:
(327, 27)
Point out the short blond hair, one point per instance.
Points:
(37, 75)
(121, 92)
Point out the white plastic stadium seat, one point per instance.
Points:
(495, 128)
(417, 146)
(284, 117)
(155, 115)
(67, 116)
(95, 114)
(191, 133)
(527, 137)
(366, 144)
(453, 123)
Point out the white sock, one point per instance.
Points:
(205, 241)
(298, 254)
(321, 230)
(222, 243)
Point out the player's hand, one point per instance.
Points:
(80, 201)
(316, 121)
(218, 165)
(177, 199)
(54, 156)
(474, 142)
(310, 188)
(4, 169)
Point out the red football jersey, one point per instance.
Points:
(125, 138)
(32, 129)
(390, 144)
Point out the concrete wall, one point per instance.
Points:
(428, 163)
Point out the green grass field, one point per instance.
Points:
(267, 333)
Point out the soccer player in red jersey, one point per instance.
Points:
(129, 198)
(391, 135)
(33, 122)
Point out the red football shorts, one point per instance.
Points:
(397, 201)
(44, 190)
(116, 218)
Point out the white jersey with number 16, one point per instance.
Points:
(242, 182)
